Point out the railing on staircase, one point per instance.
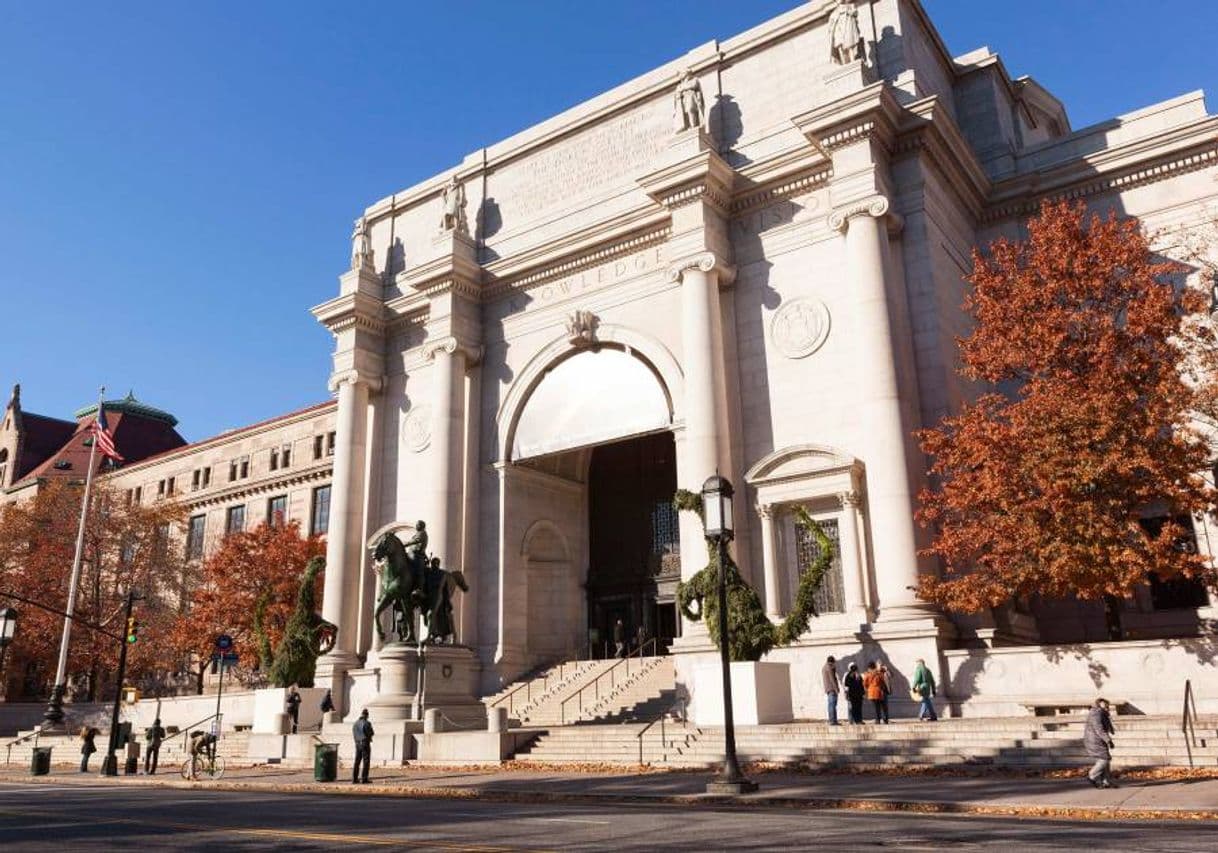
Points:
(595, 684)
(1187, 721)
(661, 718)
(185, 730)
(8, 755)
(527, 688)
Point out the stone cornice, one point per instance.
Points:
(785, 187)
(702, 177)
(352, 310)
(249, 489)
(454, 271)
(706, 262)
(1140, 162)
(871, 112)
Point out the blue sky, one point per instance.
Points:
(178, 180)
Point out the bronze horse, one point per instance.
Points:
(401, 586)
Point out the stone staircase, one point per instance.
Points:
(233, 746)
(608, 690)
(1021, 742)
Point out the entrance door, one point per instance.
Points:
(633, 541)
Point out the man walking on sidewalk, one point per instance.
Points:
(1097, 740)
(362, 732)
(828, 677)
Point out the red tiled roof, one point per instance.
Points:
(135, 437)
(41, 437)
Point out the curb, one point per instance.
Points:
(1087, 813)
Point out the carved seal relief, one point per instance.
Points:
(800, 327)
(416, 429)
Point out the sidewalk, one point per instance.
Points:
(1190, 799)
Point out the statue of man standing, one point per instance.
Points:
(454, 201)
(846, 39)
(689, 107)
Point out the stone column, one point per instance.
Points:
(853, 560)
(341, 598)
(769, 559)
(882, 433)
(702, 349)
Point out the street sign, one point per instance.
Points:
(223, 643)
(225, 658)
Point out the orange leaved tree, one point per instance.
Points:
(1039, 490)
(247, 590)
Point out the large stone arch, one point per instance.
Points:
(648, 351)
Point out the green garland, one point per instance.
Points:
(753, 635)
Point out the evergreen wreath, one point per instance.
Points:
(753, 635)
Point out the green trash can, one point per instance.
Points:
(325, 762)
(40, 761)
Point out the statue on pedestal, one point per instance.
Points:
(846, 40)
(438, 612)
(689, 107)
(402, 575)
(361, 245)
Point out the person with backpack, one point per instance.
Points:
(155, 737)
(87, 746)
(875, 683)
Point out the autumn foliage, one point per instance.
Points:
(1039, 489)
(124, 547)
(252, 572)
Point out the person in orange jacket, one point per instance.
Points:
(875, 682)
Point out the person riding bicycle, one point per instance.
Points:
(201, 743)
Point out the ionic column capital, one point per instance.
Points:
(706, 262)
(765, 511)
(876, 206)
(452, 346)
(354, 377)
(851, 500)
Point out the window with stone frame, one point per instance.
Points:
(234, 519)
(831, 597)
(318, 444)
(277, 511)
(1175, 593)
(319, 518)
(194, 536)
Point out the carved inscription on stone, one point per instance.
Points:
(590, 161)
(800, 327)
(591, 278)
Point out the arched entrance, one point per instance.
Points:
(588, 533)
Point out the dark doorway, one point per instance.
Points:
(634, 545)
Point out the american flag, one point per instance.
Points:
(103, 437)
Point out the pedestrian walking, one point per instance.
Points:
(874, 684)
(87, 746)
(155, 736)
(923, 689)
(293, 703)
(619, 639)
(327, 703)
(640, 637)
(828, 677)
(853, 682)
(1097, 741)
(362, 732)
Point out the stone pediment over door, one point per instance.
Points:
(803, 471)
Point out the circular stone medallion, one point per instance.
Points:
(800, 327)
(416, 429)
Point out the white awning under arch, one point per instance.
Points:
(590, 398)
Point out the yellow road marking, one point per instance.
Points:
(267, 832)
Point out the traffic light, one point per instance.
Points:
(133, 629)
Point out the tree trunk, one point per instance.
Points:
(1112, 618)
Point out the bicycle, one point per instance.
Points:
(205, 767)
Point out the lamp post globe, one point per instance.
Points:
(717, 507)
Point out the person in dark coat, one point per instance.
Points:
(1097, 741)
(293, 703)
(828, 677)
(853, 682)
(362, 732)
(327, 703)
(87, 746)
(155, 736)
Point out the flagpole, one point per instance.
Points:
(54, 711)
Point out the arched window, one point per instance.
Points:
(3, 467)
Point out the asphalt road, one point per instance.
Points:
(46, 817)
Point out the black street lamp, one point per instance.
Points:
(717, 512)
(8, 629)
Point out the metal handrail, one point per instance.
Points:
(185, 730)
(528, 688)
(660, 718)
(8, 756)
(1187, 727)
(596, 682)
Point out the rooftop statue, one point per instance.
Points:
(689, 107)
(846, 38)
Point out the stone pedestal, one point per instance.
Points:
(270, 715)
(450, 683)
(848, 78)
(761, 693)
